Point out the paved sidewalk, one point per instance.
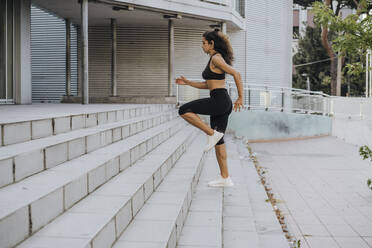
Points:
(321, 184)
(235, 217)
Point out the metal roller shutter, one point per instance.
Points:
(142, 61)
(48, 55)
(99, 61)
(190, 60)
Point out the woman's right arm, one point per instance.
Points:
(183, 81)
(199, 85)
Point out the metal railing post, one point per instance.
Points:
(249, 98)
(266, 98)
(331, 107)
(282, 100)
(177, 95)
(361, 109)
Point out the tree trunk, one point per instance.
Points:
(331, 54)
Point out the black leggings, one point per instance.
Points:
(218, 106)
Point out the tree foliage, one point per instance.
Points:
(366, 153)
(354, 31)
(353, 36)
(310, 49)
(352, 4)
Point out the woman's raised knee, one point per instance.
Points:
(182, 110)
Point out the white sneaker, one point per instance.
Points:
(221, 182)
(212, 140)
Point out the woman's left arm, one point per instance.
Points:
(221, 64)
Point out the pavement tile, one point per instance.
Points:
(269, 241)
(200, 235)
(313, 230)
(319, 242)
(195, 218)
(338, 230)
(351, 242)
(240, 239)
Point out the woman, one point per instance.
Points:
(218, 105)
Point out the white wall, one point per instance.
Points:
(352, 120)
(268, 41)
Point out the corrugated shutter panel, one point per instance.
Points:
(48, 55)
(190, 60)
(74, 60)
(99, 61)
(142, 61)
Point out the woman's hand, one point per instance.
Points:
(238, 104)
(181, 80)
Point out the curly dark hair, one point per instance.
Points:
(221, 44)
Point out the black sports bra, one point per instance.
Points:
(208, 74)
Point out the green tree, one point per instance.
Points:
(354, 31)
(353, 83)
(326, 31)
(310, 49)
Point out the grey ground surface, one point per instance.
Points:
(321, 186)
(236, 217)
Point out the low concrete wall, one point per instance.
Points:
(352, 120)
(261, 125)
(355, 131)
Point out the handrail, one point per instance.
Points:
(286, 99)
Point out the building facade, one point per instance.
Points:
(135, 48)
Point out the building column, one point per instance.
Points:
(22, 52)
(170, 55)
(114, 85)
(84, 46)
(223, 27)
(68, 57)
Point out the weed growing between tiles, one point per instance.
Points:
(366, 152)
(294, 243)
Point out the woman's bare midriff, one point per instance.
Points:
(214, 84)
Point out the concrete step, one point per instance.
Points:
(159, 223)
(203, 225)
(21, 160)
(28, 205)
(98, 220)
(23, 123)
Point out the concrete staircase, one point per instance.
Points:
(81, 182)
(126, 177)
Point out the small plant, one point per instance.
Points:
(298, 243)
(366, 152)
